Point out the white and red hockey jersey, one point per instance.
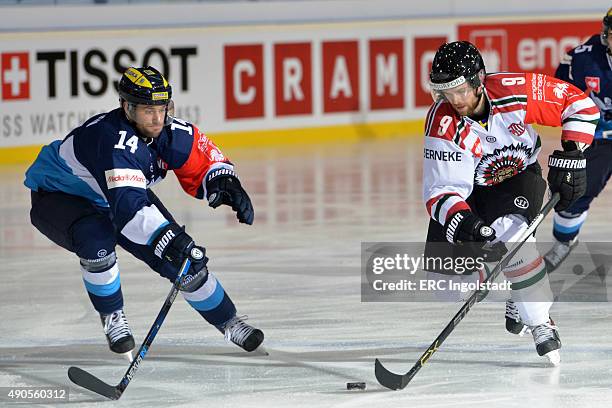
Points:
(460, 153)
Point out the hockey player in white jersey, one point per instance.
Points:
(482, 183)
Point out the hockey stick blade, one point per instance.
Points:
(387, 378)
(394, 381)
(92, 383)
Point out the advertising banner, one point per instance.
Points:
(238, 80)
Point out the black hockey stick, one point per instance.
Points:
(93, 383)
(398, 382)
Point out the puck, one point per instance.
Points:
(355, 386)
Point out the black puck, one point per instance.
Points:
(355, 386)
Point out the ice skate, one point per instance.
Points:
(514, 324)
(557, 254)
(242, 334)
(118, 333)
(547, 341)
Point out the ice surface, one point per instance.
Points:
(296, 273)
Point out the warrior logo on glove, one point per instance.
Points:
(567, 175)
(223, 187)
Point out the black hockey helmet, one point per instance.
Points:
(145, 85)
(456, 63)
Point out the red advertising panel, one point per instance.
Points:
(387, 74)
(244, 90)
(424, 50)
(15, 75)
(293, 79)
(340, 76)
(527, 47)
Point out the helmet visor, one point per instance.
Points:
(445, 90)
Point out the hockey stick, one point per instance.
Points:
(398, 382)
(93, 383)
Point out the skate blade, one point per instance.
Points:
(525, 330)
(128, 356)
(553, 357)
(260, 351)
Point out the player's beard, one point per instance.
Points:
(476, 108)
(469, 105)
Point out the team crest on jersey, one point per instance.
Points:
(593, 83)
(211, 151)
(216, 155)
(560, 90)
(501, 164)
(517, 128)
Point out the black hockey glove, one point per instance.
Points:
(468, 230)
(223, 187)
(173, 245)
(567, 175)
(465, 226)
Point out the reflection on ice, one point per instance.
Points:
(296, 273)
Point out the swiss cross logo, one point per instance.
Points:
(593, 84)
(517, 129)
(15, 75)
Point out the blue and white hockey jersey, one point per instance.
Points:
(105, 162)
(589, 67)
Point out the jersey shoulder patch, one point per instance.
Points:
(442, 121)
(176, 142)
(587, 53)
(584, 52)
(505, 84)
(506, 91)
(181, 127)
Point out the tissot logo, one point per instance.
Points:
(15, 75)
(85, 72)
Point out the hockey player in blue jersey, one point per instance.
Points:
(91, 191)
(587, 66)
